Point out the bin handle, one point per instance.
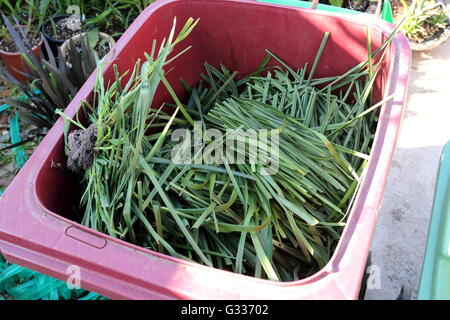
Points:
(314, 4)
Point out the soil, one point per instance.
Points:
(358, 5)
(103, 49)
(397, 8)
(65, 29)
(365, 6)
(4, 92)
(4, 127)
(32, 38)
(116, 29)
(6, 168)
(4, 120)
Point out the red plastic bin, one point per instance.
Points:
(37, 229)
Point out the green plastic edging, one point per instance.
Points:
(386, 13)
(3, 107)
(24, 284)
(14, 132)
(435, 278)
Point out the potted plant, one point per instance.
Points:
(51, 84)
(60, 28)
(380, 8)
(425, 23)
(10, 54)
(366, 6)
(99, 41)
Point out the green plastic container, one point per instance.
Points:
(386, 11)
(435, 279)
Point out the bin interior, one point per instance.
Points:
(229, 33)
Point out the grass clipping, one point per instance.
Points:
(280, 227)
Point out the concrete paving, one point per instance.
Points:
(400, 237)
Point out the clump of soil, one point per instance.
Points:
(81, 148)
(63, 29)
(31, 39)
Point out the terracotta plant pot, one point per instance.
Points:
(13, 60)
(76, 39)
